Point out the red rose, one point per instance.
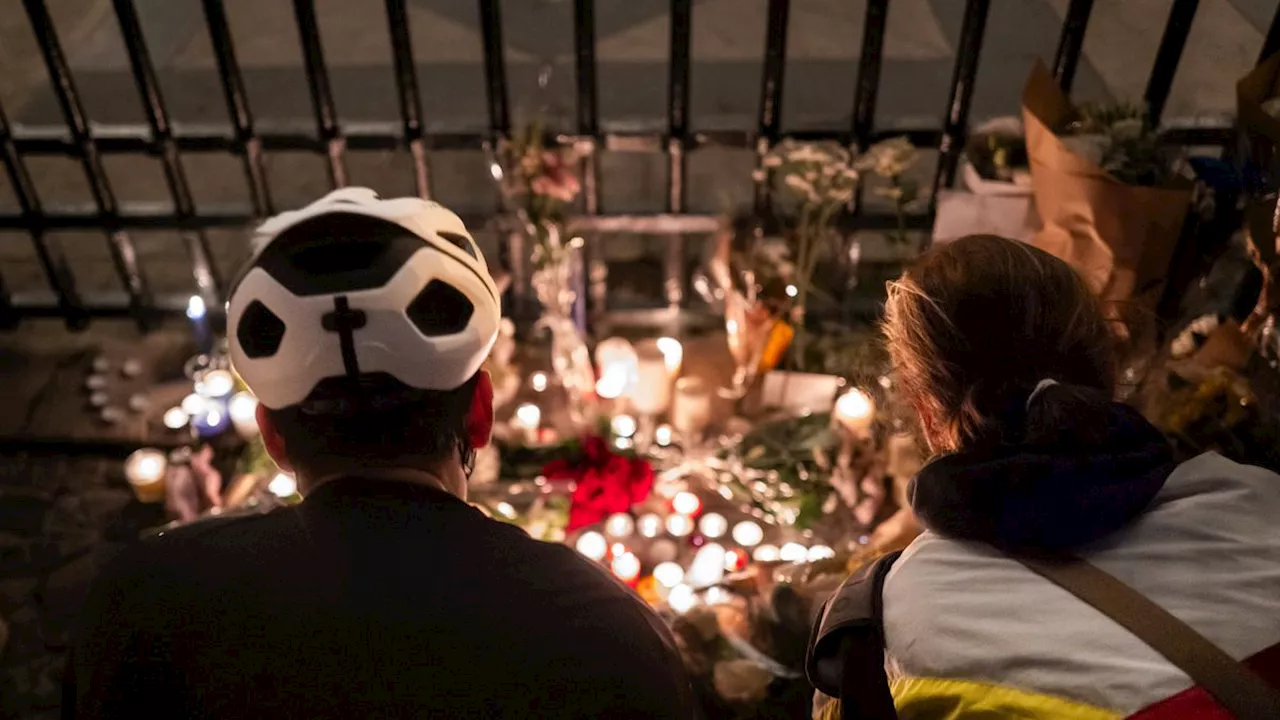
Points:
(606, 483)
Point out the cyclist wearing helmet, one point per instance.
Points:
(361, 325)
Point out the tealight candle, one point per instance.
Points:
(747, 533)
(282, 485)
(616, 356)
(592, 545)
(649, 525)
(626, 566)
(623, 426)
(145, 470)
(668, 574)
(679, 525)
(619, 525)
(216, 384)
(707, 567)
(713, 525)
(175, 418)
(663, 435)
(681, 598)
(538, 381)
(855, 410)
(792, 552)
(527, 418)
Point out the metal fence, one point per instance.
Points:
(159, 139)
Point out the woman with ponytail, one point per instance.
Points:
(1010, 365)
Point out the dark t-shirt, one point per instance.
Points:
(371, 599)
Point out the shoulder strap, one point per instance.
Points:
(1232, 684)
(846, 651)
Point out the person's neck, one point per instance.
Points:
(447, 477)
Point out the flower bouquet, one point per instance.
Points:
(1111, 198)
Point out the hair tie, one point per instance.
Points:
(1040, 387)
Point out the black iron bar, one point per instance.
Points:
(1176, 30)
(48, 250)
(123, 253)
(246, 141)
(321, 94)
(864, 95)
(1070, 42)
(8, 313)
(202, 266)
(960, 97)
(591, 266)
(495, 69)
(1271, 44)
(677, 134)
(407, 88)
(769, 122)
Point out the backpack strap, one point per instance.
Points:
(846, 649)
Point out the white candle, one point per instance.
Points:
(626, 566)
(243, 409)
(668, 574)
(616, 359)
(747, 533)
(623, 426)
(855, 410)
(663, 435)
(538, 381)
(691, 408)
(713, 525)
(216, 384)
(651, 394)
(707, 567)
(592, 544)
(145, 469)
(175, 418)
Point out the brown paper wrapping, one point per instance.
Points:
(1119, 237)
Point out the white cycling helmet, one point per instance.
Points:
(355, 286)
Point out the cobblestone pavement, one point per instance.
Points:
(62, 514)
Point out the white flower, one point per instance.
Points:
(800, 185)
(889, 157)
(741, 681)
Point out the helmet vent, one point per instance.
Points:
(459, 241)
(440, 309)
(260, 331)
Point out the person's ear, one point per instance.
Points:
(272, 440)
(480, 416)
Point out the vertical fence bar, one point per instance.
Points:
(769, 121)
(144, 75)
(584, 52)
(495, 77)
(8, 314)
(1176, 30)
(123, 253)
(960, 96)
(1070, 42)
(249, 146)
(677, 136)
(407, 88)
(1271, 44)
(864, 95)
(48, 250)
(321, 94)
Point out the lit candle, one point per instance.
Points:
(855, 410)
(616, 363)
(243, 409)
(668, 574)
(527, 418)
(651, 394)
(686, 503)
(707, 567)
(765, 553)
(592, 545)
(792, 552)
(663, 435)
(679, 525)
(713, 525)
(216, 384)
(681, 598)
(672, 353)
(145, 469)
(213, 420)
(623, 426)
(282, 485)
(626, 566)
(175, 418)
(819, 552)
(619, 525)
(196, 311)
(538, 381)
(691, 408)
(193, 404)
(747, 533)
(649, 525)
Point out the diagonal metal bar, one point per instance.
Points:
(1070, 42)
(321, 93)
(246, 140)
(769, 120)
(123, 253)
(956, 125)
(1176, 30)
(144, 74)
(407, 89)
(1271, 44)
(48, 250)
